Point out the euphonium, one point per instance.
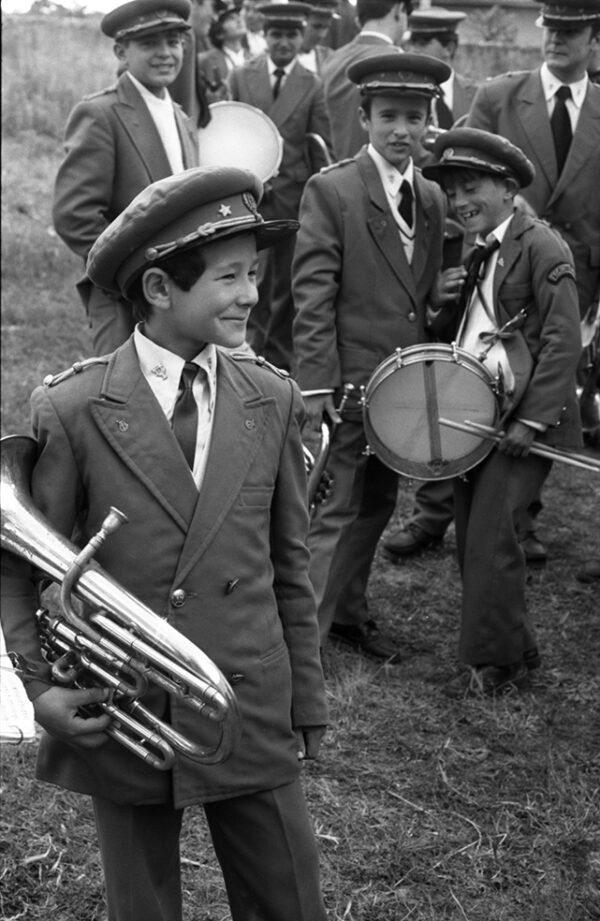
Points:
(122, 644)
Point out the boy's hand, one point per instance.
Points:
(447, 286)
(308, 739)
(517, 440)
(57, 711)
(318, 406)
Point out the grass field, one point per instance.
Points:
(426, 808)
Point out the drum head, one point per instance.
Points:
(243, 136)
(403, 403)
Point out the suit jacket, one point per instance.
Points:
(513, 105)
(535, 272)
(356, 296)
(342, 97)
(113, 151)
(298, 110)
(464, 93)
(236, 549)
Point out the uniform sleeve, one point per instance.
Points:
(316, 271)
(85, 179)
(293, 590)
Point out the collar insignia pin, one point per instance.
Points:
(159, 371)
(123, 426)
(501, 261)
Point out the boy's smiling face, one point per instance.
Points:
(396, 124)
(480, 201)
(217, 306)
(154, 60)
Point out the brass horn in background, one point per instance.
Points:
(121, 644)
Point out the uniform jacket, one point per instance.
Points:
(113, 151)
(236, 549)
(535, 272)
(342, 97)
(356, 296)
(463, 95)
(298, 110)
(513, 105)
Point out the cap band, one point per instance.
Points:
(156, 19)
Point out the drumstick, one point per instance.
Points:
(547, 451)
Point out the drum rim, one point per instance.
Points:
(413, 469)
(232, 104)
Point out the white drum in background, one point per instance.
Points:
(406, 396)
(243, 136)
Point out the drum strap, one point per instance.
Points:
(433, 411)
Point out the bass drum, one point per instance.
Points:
(406, 396)
(243, 136)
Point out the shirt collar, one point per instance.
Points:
(162, 368)
(147, 96)
(550, 84)
(273, 67)
(372, 32)
(391, 177)
(497, 233)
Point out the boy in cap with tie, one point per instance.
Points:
(517, 313)
(120, 140)
(367, 256)
(215, 542)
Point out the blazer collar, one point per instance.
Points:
(585, 143)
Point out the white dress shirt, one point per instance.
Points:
(286, 70)
(550, 84)
(162, 369)
(392, 179)
(163, 116)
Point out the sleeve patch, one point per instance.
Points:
(562, 270)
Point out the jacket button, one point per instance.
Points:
(412, 316)
(231, 586)
(178, 598)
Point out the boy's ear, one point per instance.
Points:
(120, 52)
(155, 285)
(363, 118)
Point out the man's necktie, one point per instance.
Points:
(445, 118)
(560, 123)
(405, 207)
(185, 414)
(476, 269)
(279, 74)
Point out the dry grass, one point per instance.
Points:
(426, 809)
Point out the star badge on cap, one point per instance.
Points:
(225, 210)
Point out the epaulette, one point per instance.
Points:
(52, 379)
(261, 362)
(508, 73)
(104, 92)
(327, 169)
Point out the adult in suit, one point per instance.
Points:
(292, 97)
(520, 106)
(120, 140)
(367, 256)
(214, 66)
(382, 23)
(523, 107)
(525, 277)
(314, 52)
(435, 32)
(215, 543)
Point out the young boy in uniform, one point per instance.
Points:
(525, 279)
(215, 543)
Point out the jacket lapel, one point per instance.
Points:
(137, 122)
(381, 224)
(142, 437)
(585, 143)
(532, 113)
(293, 90)
(423, 229)
(258, 83)
(188, 137)
(242, 416)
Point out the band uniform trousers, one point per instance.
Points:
(346, 528)
(494, 626)
(265, 879)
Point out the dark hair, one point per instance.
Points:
(366, 102)
(378, 9)
(184, 268)
(446, 40)
(216, 30)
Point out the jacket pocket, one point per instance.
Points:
(255, 496)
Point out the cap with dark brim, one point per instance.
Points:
(473, 149)
(434, 22)
(396, 72)
(195, 207)
(284, 15)
(140, 18)
(569, 14)
(323, 9)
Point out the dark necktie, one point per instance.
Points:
(405, 206)
(476, 266)
(445, 118)
(185, 414)
(560, 123)
(279, 74)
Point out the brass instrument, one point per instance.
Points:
(121, 644)
(320, 482)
